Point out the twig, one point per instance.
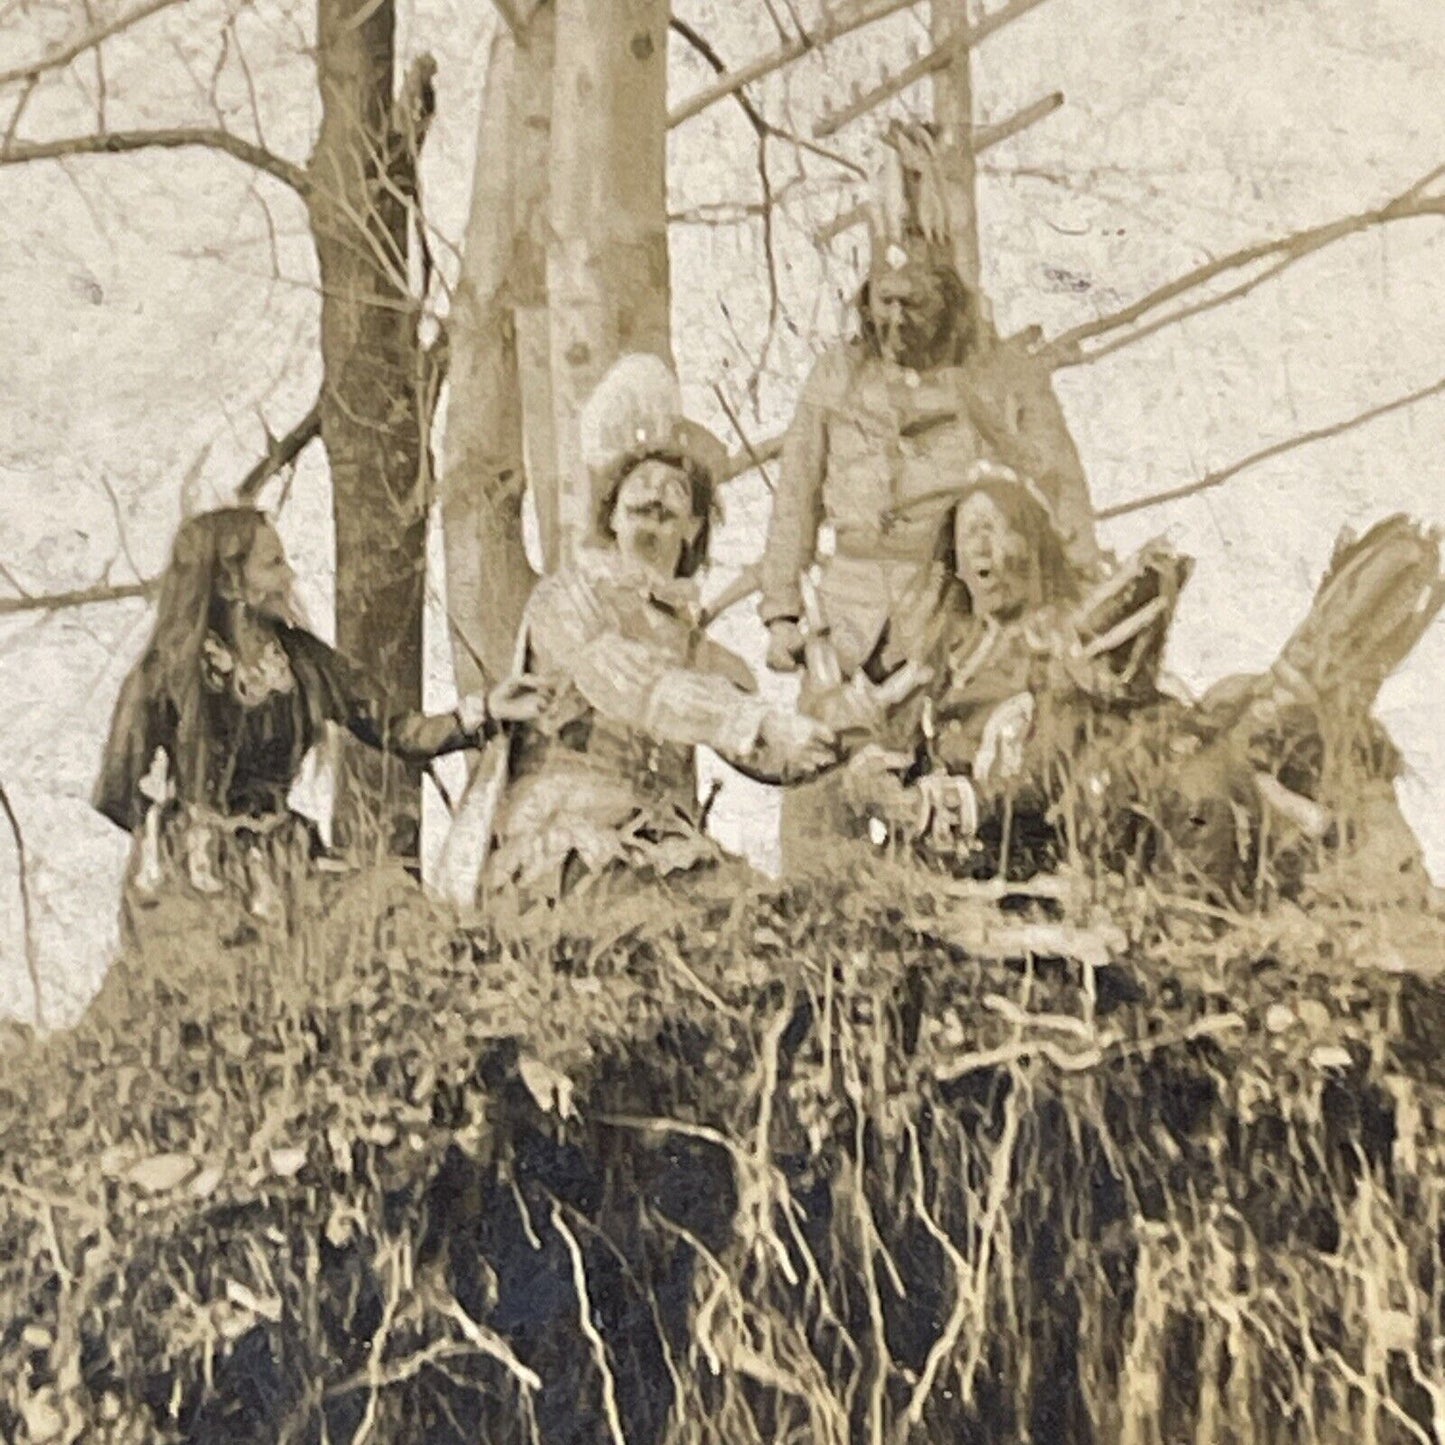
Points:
(281, 453)
(1065, 350)
(125, 141)
(755, 461)
(1254, 459)
(18, 113)
(119, 525)
(759, 122)
(939, 59)
(79, 597)
(492, 1346)
(947, 1342)
(57, 59)
(375, 1365)
(400, 1371)
(999, 1176)
(755, 456)
(869, 1241)
(27, 912)
(985, 137)
(1183, 313)
(833, 29)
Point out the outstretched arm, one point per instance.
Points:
(349, 697)
(639, 686)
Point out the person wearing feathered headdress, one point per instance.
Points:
(604, 780)
(889, 422)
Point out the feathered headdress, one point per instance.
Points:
(909, 221)
(635, 413)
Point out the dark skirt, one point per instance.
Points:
(225, 879)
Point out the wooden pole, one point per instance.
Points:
(953, 114)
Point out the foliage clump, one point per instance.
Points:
(886, 1156)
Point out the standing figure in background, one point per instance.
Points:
(890, 424)
(604, 781)
(214, 722)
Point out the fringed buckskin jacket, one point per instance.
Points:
(605, 776)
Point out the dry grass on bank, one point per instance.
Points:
(1084, 1167)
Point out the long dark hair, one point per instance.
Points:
(700, 495)
(201, 583)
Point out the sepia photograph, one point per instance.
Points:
(720, 722)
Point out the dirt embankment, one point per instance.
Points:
(885, 1159)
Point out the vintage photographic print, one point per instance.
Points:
(720, 722)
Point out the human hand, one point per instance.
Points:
(863, 706)
(897, 688)
(519, 698)
(785, 645)
(797, 745)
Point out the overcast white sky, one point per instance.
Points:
(152, 309)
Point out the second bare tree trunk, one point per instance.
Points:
(494, 372)
(607, 264)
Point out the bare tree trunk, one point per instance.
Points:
(362, 172)
(532, 130)
(953, 114)
(488, 461)
(607, 265)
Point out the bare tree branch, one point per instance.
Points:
(124, 141)
(762, 452)
(18, 113)
(756, 455)
(27, 914)
(755, 460)
(1066, 350)
(58, 59)
(76, 597)
(938, 59)
(985, 137)
(280, 454)
(832, 29)
(759, 122)
(1217, 479)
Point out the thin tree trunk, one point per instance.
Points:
(607, 264)
(532, 139)
(371, 420)
(486, 467)
(953, 114)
